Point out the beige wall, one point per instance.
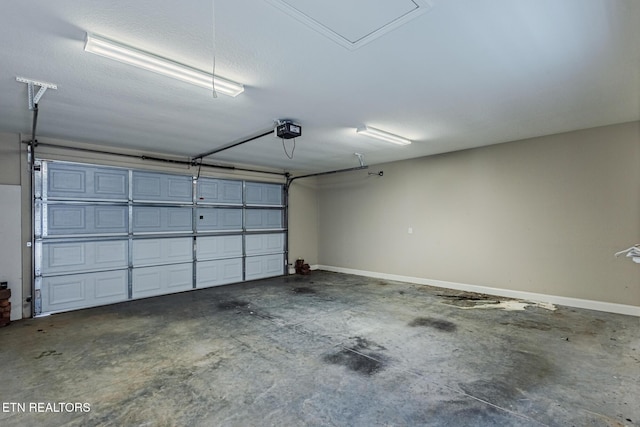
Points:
(543, 215)
(9, 159)
(10, 220)
(303, 221)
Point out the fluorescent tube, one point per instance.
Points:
(382, 135)
(148, 61)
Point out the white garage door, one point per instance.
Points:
(106, 234)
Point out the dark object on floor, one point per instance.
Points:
(302, 268)
(5, 307)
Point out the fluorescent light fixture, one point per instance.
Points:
(148, 61)
(384, 136)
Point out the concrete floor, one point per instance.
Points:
(326, 349)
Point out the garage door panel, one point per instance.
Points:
(71, 292)
(111, 184)
(180, 249)
(159, 219)
(220, 272)
(112, 253)
(73, 257)
(179, 218)
(214, 247)
(218, 219)
(110, 287)
(162, 251)
(259, 244)
(259, 267)
(146, 281)
(62, 220)
(160, 280)
(146, 218)
(180, 279)
(66, 183)
(80, 182)
(108, 218)
(159, 187)
(263, 219)
(258, 193)
(219, 191)
(64, 256)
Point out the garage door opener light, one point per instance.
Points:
(148, 61)
(382, 135)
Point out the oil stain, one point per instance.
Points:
(439, 324)
(517, 372)
(303, 290)
(359, 358)
(365, 344)
(467, 296)
(469, 299)
(357, 362)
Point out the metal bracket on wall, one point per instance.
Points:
(32, 97)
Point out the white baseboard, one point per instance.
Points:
(630, 310)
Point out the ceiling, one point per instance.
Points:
(465, 73)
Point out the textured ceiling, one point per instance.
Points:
(467, 73)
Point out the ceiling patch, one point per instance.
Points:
(353, 23)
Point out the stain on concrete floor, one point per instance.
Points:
(303, 290)
(359, 357)
(439, 324)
